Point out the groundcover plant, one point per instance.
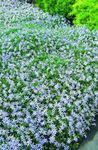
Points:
(48, 80)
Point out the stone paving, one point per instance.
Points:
(91, 143)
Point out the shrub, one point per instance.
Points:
(62, 7)
(86, 12)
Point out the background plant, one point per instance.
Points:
(56, 6)
(86, 12)
(80, 12)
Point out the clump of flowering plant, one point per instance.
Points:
(48, 81)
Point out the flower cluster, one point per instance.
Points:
(48, 80)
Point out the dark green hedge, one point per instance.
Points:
(62, 7)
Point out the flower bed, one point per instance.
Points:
(48, 81)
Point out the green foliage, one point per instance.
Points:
(39, 3)
(62, 7)
(86, 12)
(79, 11)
